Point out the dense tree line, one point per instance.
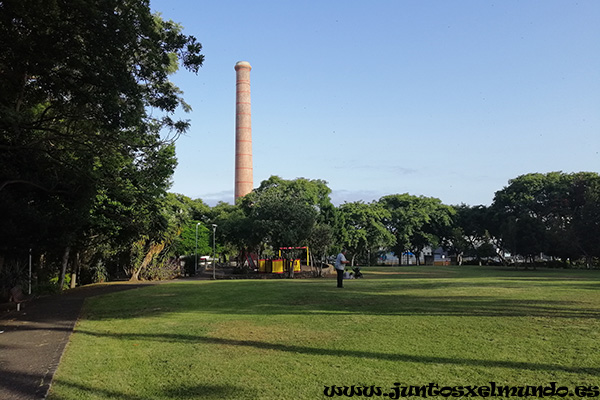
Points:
(552, 218)
(556, 214)
(87, 133)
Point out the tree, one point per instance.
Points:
(84, 99)
(522, 207)
(320, 242)
(188, 216)
(363, 231)
(187, 243)
(553, 213)
(280, 213)
(282, 218)
(277, 203)
(235, 230)
(313, 192)
(470, 233)
(585, 224)
(416, 222)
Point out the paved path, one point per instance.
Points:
(33, 339)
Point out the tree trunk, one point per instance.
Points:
(63, 271)
(318, 268)
(75, 271)
(155, 248)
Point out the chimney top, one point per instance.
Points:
(242, 64)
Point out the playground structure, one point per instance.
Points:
(287, 261)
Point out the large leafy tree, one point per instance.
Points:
(86, 126)
(363, 230)
(416, 221)
(284, 212)
(321, 241)
(469, 235)
(586, 216)
(177, 235)
(313, 192)
(235, 230)
(521, 209)
(284, 221)
(189, 217)
(280, 213)
(555, 213)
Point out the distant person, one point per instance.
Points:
(339, 267)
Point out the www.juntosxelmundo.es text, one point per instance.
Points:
(399, 390)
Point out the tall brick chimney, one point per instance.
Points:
(244, 181)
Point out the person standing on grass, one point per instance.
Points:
(339, 267)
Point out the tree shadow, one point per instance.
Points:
(17, 386)
(21, 385)
(175, 392)
(210, 392)
(314, 351)
(256, 298)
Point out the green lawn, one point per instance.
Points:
(288, 339)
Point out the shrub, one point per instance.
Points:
(165, 268)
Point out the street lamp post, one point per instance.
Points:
(214, 230)
(30, 270)
(196, 251)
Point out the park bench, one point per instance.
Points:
(17, 296)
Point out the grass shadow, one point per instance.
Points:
(360, 297)
(181, 392)
(314, 351)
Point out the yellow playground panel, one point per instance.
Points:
(296, 261)
(296, 264)
(281, 265)
(277, 267)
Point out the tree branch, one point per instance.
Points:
(17, 181)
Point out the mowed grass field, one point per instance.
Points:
(289, 339)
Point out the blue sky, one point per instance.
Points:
(445, 99)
